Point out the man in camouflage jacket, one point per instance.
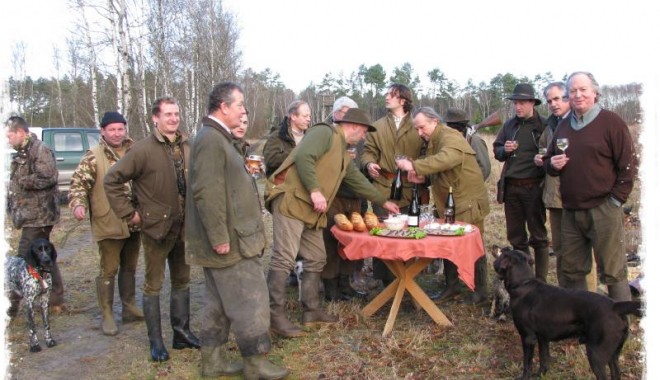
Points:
(118, 241)
(33, 197)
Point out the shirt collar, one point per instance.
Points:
(579, 122)
(221, 124)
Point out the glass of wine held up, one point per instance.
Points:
(562, 143)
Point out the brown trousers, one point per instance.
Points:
(156, 254)
(116, 254)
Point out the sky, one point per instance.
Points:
(304, 40)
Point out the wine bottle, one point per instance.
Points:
(415, 210)
(397, 186)
(450, 208)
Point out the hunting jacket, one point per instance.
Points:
(278, 146)
(149, 163)
(450, 161)
(222, 203)
(87, 191)
(381, 146)
(33, 197)
(551, 194)
(322, 151)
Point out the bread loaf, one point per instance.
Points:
(371, 220)
(343, 223)
(358, 223)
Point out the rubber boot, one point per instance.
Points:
(129, 310)
(480, 294)
(541, 259)
(279, 323)
(619, 291)
(312, 312)
(258, 367)
(151, 307)
(105, 289)
(180, 320)
(331, 289)
(452, 287)
(215, 362)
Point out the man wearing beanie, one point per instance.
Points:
(118, 241)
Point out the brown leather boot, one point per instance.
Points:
(312, 312)
(279, 323)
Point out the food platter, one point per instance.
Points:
(406, 233)
(448, 229)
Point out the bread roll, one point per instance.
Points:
(358, 223)
(371, 220)
(343, 223)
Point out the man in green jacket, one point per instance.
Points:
(157, 166)
(394, 135)
(451, 162)
(299, 197)
(225, 235)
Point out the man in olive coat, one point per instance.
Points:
(451, 162)
(393, 135)
(225, 235)
(298, 198)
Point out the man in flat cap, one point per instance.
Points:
(298, 198)
(516, 145)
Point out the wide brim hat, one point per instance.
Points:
(455, 115)
(524, 91)
(357, 116)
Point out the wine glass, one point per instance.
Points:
(254, 165)
(515, 148)
(562, 144)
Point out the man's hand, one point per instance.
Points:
(538, 160)
(509, 146)
(135, 220)
(319, 201)
(221, 249)
(414, 178)
(405, 165)
(391, 207)
(79, 212)
(559, 161)
(373, 170)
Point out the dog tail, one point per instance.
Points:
(628, 307)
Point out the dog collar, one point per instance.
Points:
(33, 272)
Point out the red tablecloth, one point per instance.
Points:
(461, 250)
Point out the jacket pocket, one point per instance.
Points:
(156, 220)
(251, 238)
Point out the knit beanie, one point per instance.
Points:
(112, 117)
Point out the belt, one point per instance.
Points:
(523, 181)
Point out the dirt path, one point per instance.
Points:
(82, 351)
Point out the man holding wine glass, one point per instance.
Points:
(597, 175)
(516, 145)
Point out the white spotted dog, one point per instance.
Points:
(29, 278)
(298, 269)
(500, 304)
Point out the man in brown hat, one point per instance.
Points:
(457, 119)
(516, 145)
(298, 198)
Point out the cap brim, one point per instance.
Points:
(515, 97)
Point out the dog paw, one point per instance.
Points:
(36, 348)
(51, 343)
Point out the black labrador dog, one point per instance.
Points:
(544, 313)
(29, 278)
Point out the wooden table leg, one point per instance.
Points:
(405, 280)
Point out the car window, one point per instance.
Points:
(93, 139)
(67, 142)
